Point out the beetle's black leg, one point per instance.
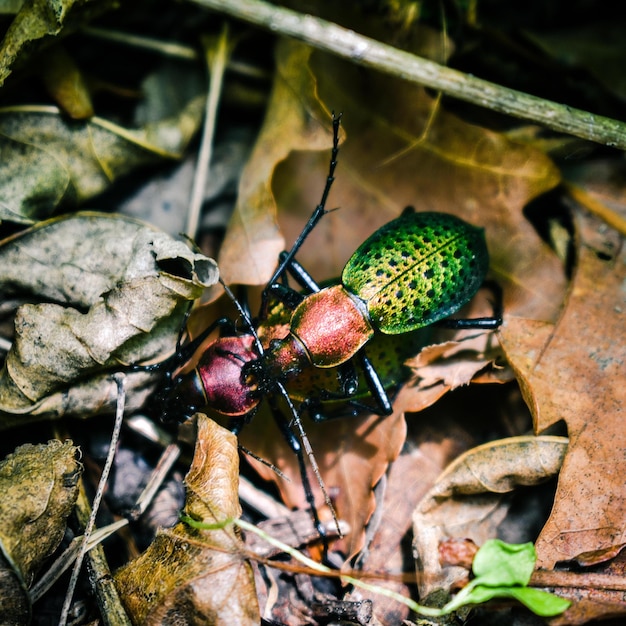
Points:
(287, 296)
(480, 323)
(375, 385)
(382, 404)
(300, 275)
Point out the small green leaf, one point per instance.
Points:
(503, 570)
(540, 602)
(504, 564)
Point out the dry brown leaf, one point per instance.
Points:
(362, 448)
(114, 292)
(465, 500)
(573, 371)
(408, 479)
(39, 487)
(195, 575)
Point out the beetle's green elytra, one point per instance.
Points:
(417, 269)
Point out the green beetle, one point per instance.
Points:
(415, 271)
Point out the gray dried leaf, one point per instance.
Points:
(115, 292)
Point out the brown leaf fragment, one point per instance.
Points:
(116, 291)
(443, 367)
(197, 576)
(39, 486)
(466, 499)
(66, 84)
(405, 483)
(295, 120)
(457, 551)
(573, 371)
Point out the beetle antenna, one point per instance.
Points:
(320, 209)
(244, 315)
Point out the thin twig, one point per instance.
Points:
(217, 60)
(371, 53)
(170, 49)
(119, 417)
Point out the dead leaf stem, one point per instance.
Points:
(368, 52)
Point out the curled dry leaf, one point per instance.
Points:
(115, 290)
(39, 487)
(197, 576)
(47, 161)
(573, 371)
(465, 500)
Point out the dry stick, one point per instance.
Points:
(217, 60)
(68, 556)
(100, 579)
(371, 53)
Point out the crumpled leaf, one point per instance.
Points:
(116, 291)
(39, 486)
(47, 161)
(573, 371)
(443, 367)
(465, 500)
(37, 22)
(199, 576)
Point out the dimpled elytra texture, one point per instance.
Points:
(417, 269)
